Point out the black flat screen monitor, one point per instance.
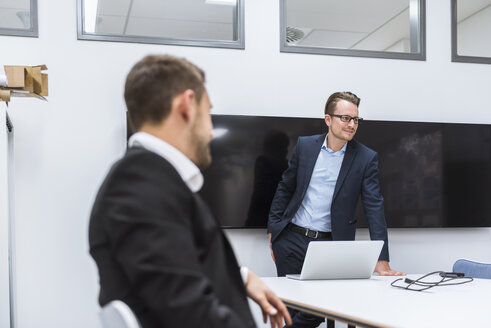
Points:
(431, 174)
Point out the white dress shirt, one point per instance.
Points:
(315, 211)
(188, 171)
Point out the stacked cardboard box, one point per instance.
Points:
(23, 81)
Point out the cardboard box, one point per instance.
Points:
(5, 95)
(25, 81)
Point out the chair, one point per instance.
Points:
(473, 269)
(116, 314)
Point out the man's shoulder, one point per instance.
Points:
(144, 176)
(312, 138)
(139, 162)
(361, 148)
(137, 153)
(142, 157)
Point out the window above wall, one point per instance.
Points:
(377, 28)
(19, 18)
(471, 31)
(208, 23)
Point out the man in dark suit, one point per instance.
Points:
(155, 242)
(317, 196)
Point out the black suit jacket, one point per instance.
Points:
(159, 249)
(358, 177)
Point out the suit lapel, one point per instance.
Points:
(347, 161)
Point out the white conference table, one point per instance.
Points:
(374, 303)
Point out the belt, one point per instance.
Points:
(309, 233)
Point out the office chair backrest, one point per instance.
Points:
(473, 269)
(116, 314)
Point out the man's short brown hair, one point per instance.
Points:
(154, 82)
(333, 100)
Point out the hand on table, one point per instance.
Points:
(270, 304)
(383, 269)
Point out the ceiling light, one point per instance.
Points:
(221, 2)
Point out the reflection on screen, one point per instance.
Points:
(248, 163)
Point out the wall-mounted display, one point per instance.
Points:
(471, 31)
(19, 18)
(208, 23)
(381, 28)
(429, 176)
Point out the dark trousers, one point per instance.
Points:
(289, 251)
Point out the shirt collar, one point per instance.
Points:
(341, 151)
(188, 171)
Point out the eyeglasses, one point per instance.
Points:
(347, 118)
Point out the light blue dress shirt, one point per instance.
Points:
(315, 211)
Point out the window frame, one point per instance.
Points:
(421, 55)
(236, 44)
(455, 56)
(32, 32)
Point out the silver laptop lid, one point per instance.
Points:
(341, 259)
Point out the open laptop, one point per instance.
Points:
(340, 260)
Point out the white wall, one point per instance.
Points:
(65, 146)
(411, 250)
(4, 222)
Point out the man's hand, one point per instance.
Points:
(383, 269)
(271, 247)
(270, 304)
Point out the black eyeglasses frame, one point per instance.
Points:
(347, 118)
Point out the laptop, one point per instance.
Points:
(340, 260)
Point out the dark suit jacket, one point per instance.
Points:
(358, 176)
(158, 249)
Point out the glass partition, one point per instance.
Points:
(208, 23)
(377, 28)
(471, 31)
(19, 18)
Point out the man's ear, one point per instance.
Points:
(183, 104)
(327, 119)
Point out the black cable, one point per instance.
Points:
(446, 279)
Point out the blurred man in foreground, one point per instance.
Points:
(155, 242)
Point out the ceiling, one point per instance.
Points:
(467, 8)
(379, 25)
(359, 16)
(166, 18)
(346, 23)
(352, 24)
(9, 10)
(15, 4)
